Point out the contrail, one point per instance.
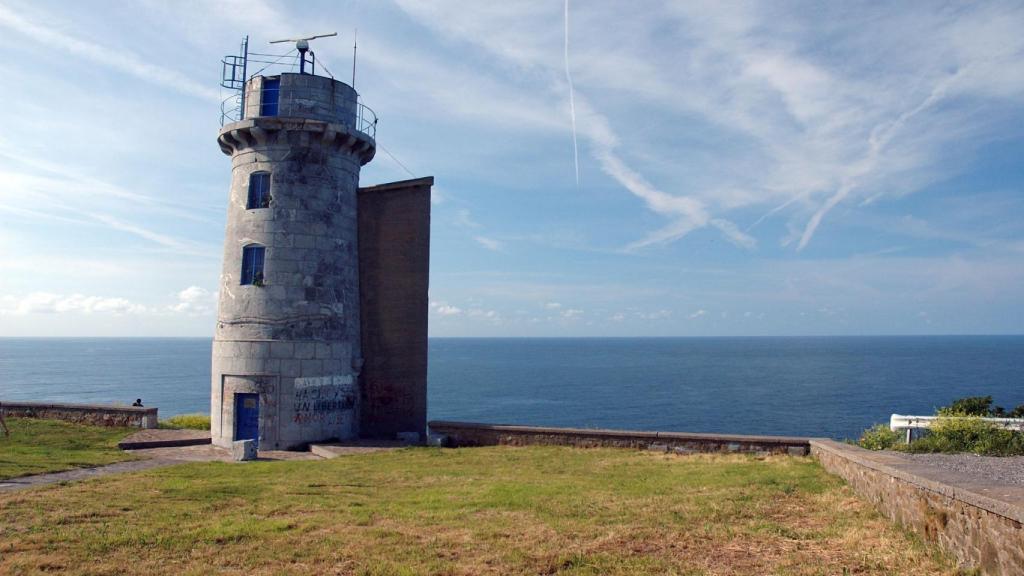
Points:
(572, 99)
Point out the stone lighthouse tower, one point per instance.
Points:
(288, 356)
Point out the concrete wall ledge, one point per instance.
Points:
(478, 434)
(94, 414)
(979, 522)
(1002, 500)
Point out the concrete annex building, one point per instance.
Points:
(322, 322)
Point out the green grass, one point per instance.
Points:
(187, 422)
(499, 510)
(39, 446)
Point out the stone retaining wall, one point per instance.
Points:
(473, 434)
(983, 531)
(93, 414)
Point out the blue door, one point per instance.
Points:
(247, 417)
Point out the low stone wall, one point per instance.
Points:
(980, 524)
(473, 434)
(93, 414)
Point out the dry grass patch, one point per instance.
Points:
(502, 510)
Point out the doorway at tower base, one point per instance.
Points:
(283, 412)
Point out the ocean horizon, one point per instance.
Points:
(831, 386)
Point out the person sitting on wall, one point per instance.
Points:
(138, 403)
(3, 424)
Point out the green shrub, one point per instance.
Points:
(879, 437)
(979, 406)
(187, 422)
(970, 406)
(952, 434)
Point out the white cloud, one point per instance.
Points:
(445, 309)
(49, 303)
(489, 243)
(658, 315)
(572, 313)
(464, 219)
(553, 305)
(195, 301)
(449, 310)
(698, 313)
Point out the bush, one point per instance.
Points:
(187, 422)
(969, 434)
(970, 406)
(879, 437)
(979, 406)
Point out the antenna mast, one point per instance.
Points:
(355, 46)
(302, 45)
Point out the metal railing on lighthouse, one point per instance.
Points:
(235, 74)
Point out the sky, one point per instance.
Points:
(684, 169)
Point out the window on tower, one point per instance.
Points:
(259, 190)
(252, 264)
(269, 96)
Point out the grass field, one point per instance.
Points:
(500, 510)
(38, 446)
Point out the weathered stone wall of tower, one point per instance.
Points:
(394, 266)
(295, 340)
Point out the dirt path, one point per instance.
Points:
(150, 458)
(14, 484)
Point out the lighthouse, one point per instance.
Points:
(322, 313)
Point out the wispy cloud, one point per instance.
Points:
(572, 100)
(140, 231)
(489, 243)
(464, 219)
(119, 59)
(778, 122)
(47, 303)
(42, 189)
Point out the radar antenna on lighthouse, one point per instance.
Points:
(302, 45)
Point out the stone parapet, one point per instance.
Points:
(92, 414)
(474, 434)
(304, 96)
(980, 523)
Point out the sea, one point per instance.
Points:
(804, 386)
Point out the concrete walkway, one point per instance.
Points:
(211, 453)
(150, 458)
(23, 482)
(161, 438)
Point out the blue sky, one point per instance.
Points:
(769, 168)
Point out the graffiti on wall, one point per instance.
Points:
(324, 400)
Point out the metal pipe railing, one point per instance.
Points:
(365, 120)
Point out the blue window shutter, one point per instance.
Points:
(246, 265)
(259, 190)
(252, 264)
(257, 265)
(269, 96)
